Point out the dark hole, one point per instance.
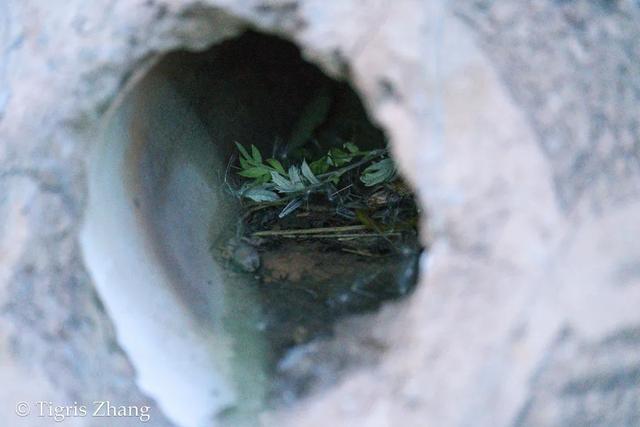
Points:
(253, 90)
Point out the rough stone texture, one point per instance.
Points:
(591, 140)
(518, 126)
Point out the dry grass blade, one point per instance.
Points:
(309, 231)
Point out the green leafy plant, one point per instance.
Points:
(269, 182)
(378, 172)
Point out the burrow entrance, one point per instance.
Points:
(195, 248)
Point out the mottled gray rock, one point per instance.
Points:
(517, 125)
(590, 139)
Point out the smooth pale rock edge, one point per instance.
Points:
(485, 342)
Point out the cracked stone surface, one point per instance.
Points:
(516, 124)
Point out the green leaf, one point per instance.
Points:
(283, 185)
(260, 195)
(255, 153)
(351, 147)
(338, 157)
(244, 164)
(307, 173)
(243, 151)
(254, 172)
(263, 179)
(320, 166)
(294, 176)
(277, 166)
(291, 207)
(279, 180)
(378, 172)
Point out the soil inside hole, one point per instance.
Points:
(305, 287)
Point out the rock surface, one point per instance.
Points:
(516, 124)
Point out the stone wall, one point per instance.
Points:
(515, 123)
